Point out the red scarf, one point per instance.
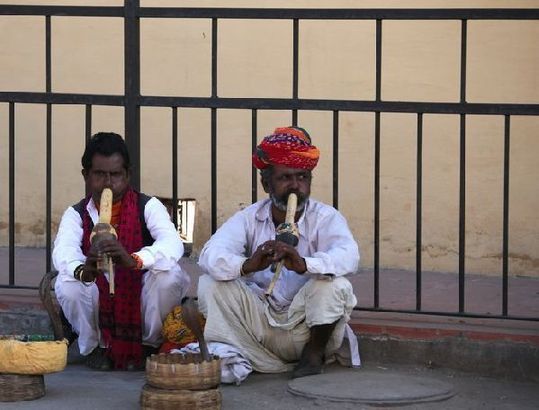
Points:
(119, 316)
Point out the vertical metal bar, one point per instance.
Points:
(377, 166)
(377, 209)
(175, 166)
(463, 48)
(254, 132)
(378, 60)
(11, 228)
(214, 127)
(462, 194)
(213, 170)
(132, 86)
(295, 68)
(462, 211)
(336, 159)
(214, 29)
(48, 66)
(87, 131)
(88, 123)
(419, 211)
(48, 149)
(48, 191)
(505, 260)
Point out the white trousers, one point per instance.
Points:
(271, 341)
(161, 291)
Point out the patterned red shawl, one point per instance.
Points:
(119, 316)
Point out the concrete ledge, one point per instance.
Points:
(499, 348)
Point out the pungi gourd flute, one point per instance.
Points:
(286, 232)
(103, 230)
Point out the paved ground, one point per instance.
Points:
(82, 389)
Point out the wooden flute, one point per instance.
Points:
(286, 232)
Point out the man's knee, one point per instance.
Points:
(328, 301)
(176, 282)
(214, 292)
(73, 292)
(339, 288)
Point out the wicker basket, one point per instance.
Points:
(152, 398)
(14, 387)
(183, 372)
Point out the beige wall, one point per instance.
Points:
(337, 60)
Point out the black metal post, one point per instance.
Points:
(336, 159)
(505, 260)
(11, 228)
(377, 210)
(132, 86)
(175, 166)
(254, 132)
(48, 149)
(295, 67)
(419, 212)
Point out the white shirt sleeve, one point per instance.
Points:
(167, 248)
(67, 253)
(337, 252)
(224, 253)
(161, 256)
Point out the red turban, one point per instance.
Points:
(288, 146)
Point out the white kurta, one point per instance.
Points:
(271, 332)
(164, 284)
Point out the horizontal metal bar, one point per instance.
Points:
(455, 314)
(276, 104)
(61, 98)
(342, 105)
(273, 13)
(341, 14)
(79, 11)
(18, 286)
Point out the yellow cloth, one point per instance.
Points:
(32, 357)
(175, 330)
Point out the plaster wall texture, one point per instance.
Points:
(420, 60)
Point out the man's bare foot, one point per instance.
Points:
(311, 363)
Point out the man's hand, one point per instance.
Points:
(272, 252)
(90, 271)
(119, 255)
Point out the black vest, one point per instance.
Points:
(143, 199)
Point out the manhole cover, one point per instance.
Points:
(371, 387)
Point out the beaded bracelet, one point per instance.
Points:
(77, 273)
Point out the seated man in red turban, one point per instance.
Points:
(303, 322)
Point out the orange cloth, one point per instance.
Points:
(176, 331)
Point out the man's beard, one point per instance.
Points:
(281, 202)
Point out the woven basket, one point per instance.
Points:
(159, 399)
(183, 372)
(14, 387)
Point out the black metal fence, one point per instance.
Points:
(132, 100)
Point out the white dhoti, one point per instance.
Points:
(272, 340)
(161, 291)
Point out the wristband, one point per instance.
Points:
(242, 272)
(138, 260)
(79, 270)
(77, 273)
